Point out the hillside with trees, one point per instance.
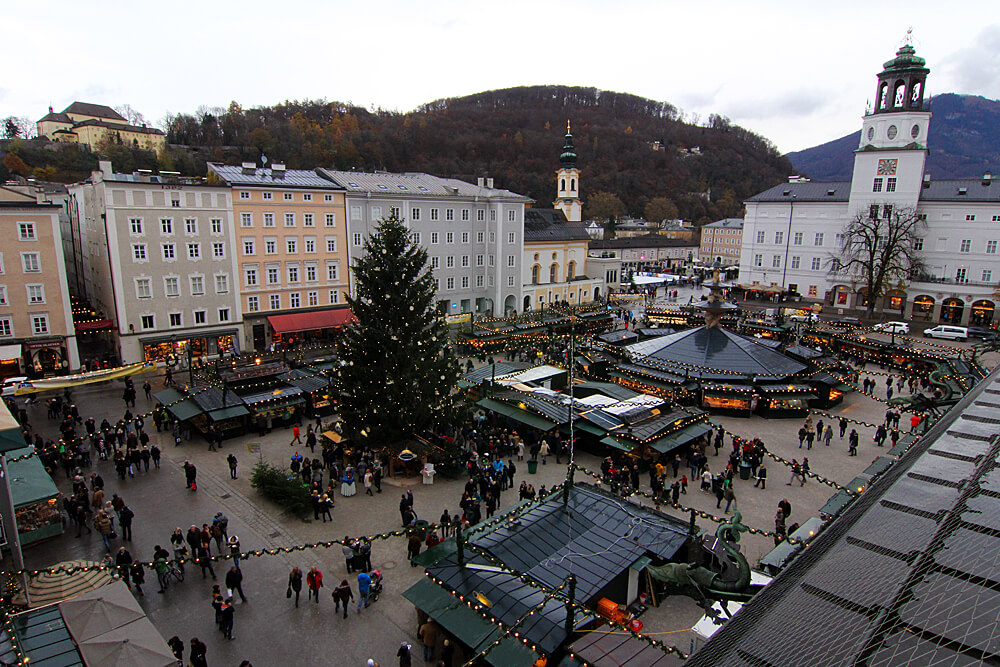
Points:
(643, 152)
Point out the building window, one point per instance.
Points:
(327, 197)
(197, 285)
(961, 275)
(357, 239)
(510, 281)
(493, 215)
(246, 219)
(450, 283)
(434, 238)
(465, 237)
(797, 238)
(465, 282)
(491, 260)
(873, 212)
(434, 214)
(465, 215)
(480, 260)
(147, 322)
(312, 298)
(877, 185)
(168, 251)
(331, 219)
(493, 237)
(479, 237)
(216, 224)
(465, 261)
(310, 273)
(244, 194)
(194, 250)
(294, 300)
(310, 245)
(222, 284)
(760, 236)
(250, 276)
(270, 246)
(135, 225)
(199, 317)
(510, 260)
(966, 245)
(139, 252)
(355, 213)
(248, 247)
(819, 238)
(335, 296)
(269, 219)
(434, 262)
(223, 314)
(987, 276)
(175, 319)
(887, 211)
(813, 290)
(36, 294)
(267, 196)
(219, 250)
(253, 304)
(991, 247)
(143, 288)
(816, 264)
(449, 262)
(416, 237)
(890, 185)
(190, 226)
(479, 281)
(779, 238)
(40, 324)
(776, 261)
(291, 245)
(795, 262)
(289, 220)
(449, 237)
(307, 220)
(275, 301)
(166, 226)
(449, 214)
(511, 237)
(331, 243)
(272, 275)
(511, 216)
(175, 203)
(287, 196)
(332, 272)
(414, 214)
(293, 274)
(918, 244)
(970, 218)
(758, 260)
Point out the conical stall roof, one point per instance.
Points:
(99, 611)
(707, 349)
(62, 584)
(137, 644)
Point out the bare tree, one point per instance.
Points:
(879, 249)
(131, 115)
(17, 127)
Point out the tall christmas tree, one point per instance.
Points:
(398, 371)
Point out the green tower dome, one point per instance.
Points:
(568, 157)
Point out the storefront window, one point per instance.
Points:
(174, 350)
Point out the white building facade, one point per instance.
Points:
(473, 234)
(793, 231)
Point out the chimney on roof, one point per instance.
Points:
(277, 170)
(987, 179)
(927, 181)
(489, 183)
(481, 182)
(248, 168)
(105, 168)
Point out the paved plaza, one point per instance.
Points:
(269, 630)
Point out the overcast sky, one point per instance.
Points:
(799, 73)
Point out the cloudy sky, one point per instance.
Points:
(799, 73)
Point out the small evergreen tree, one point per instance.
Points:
(397, 370)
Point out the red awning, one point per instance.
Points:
(320, 319)
(94, 325)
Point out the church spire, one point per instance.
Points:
(568, 157)
(568, 180)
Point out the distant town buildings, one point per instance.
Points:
(91, 124)
(651, 252)
(721, 242)
(794, 232)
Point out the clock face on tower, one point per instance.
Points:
(887, 167)
(891, 132)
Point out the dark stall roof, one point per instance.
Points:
(906, 576)
(618, 336)
(716, 348)
(307, 382)
(653, 332)
(490, 371)
(211, 398)
(547, 407)
(613, 648)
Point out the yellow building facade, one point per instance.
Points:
(91, 124)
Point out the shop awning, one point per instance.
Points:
(180, 406)
(319, 319)
(228, 413)
(29, 482)
(10, 351)
(680, 437)
(528, 418)
(786, 395)
(10, 431)
(94, 325)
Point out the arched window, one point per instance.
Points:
(899, 94)
(536, 274)
(915, 95)
(554, 273)
(571, 271)
(572, 184)
(562, 184)
(883, 94)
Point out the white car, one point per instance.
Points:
(803, 316)
(893, 328)
(10, 385)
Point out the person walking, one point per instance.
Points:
(348, 551)
(234, 550)
(405, 660)
(314, 581)
(296, 436)
(828, 436)
(364, 587)
(160, 556)
(843, 427)
(203, 559)
(123, 560)
(729, 494)
(543, 450)
(294, 584)
(198, 653)
(852, 443)
(125, 517)
(342, 596)
(231, 460)
(191, 475)
(226, 618)
(147, 389)
(369, 480)
(138, 575)
(234, 582)
(413, 547)
(428, 634)
(176, 645)
(103, 526)
(761, 477)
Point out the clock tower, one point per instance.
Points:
(889, 162)
(568, 182)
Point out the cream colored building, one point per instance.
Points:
(292, 250)
(90, 124)
(721, 242)
(554, 264)
(37, 336)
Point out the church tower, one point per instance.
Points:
(568, 182)
(889, 162)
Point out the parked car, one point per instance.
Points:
(947, 332)
(980, 332)
(846, 322)
(10, 385)
(893, 328)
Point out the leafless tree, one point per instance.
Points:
(131, 115)
(879, 249)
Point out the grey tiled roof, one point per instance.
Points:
(906, 576)
(121, 127)
(410, 185)
(298, 178)
(716, 348)
(88, 109)
(976, 189)
(550, 224)
(811, 191)
(645, 241)
(729, 223)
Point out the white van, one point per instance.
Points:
(948, 332)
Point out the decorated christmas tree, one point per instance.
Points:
(397, 371)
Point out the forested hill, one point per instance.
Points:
(964, 142)
(630, 146)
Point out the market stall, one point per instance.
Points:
(35, 498)
(732, 398)
(784, 398)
